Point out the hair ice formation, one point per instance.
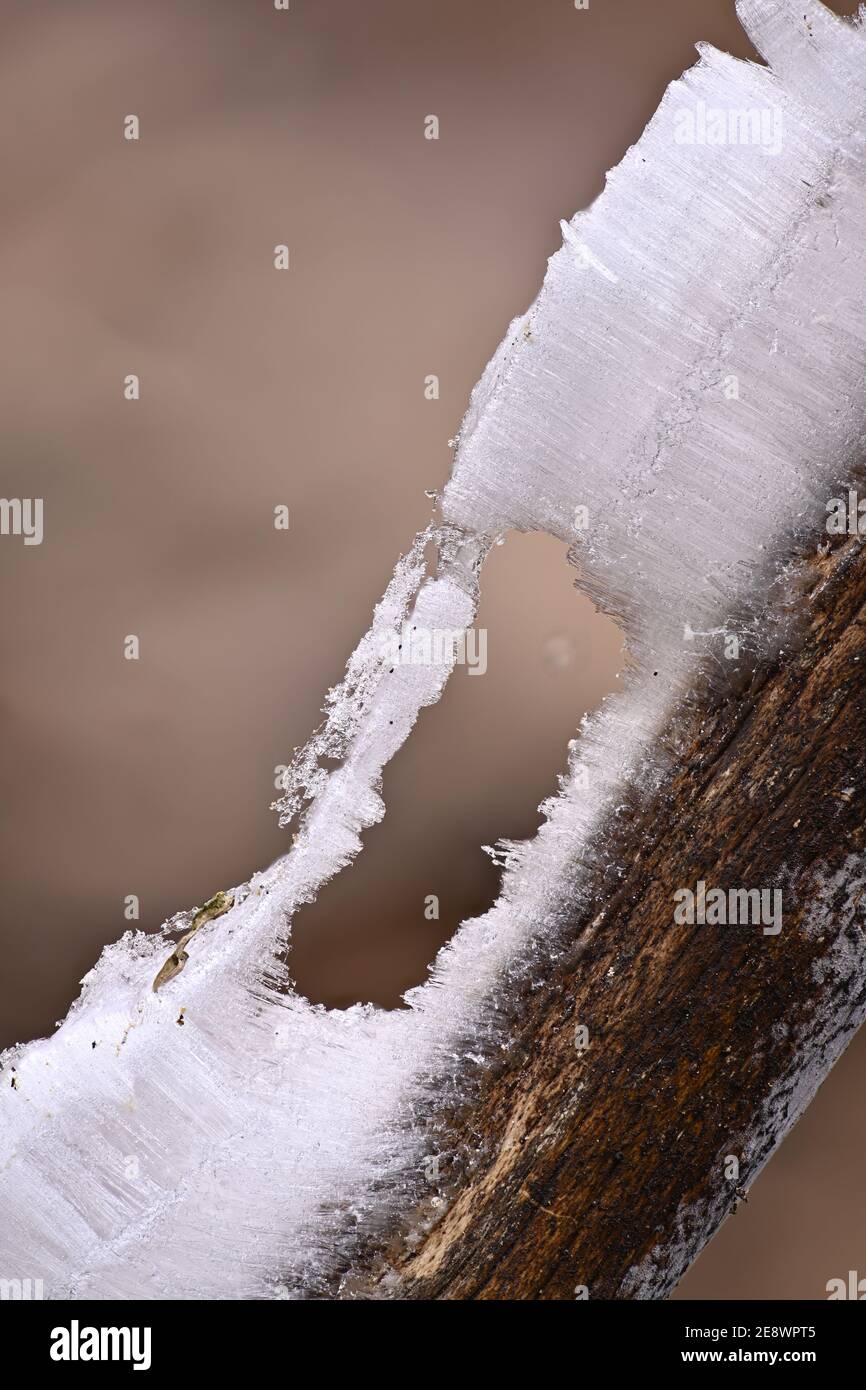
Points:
(245, 1154)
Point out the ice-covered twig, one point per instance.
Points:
(678, 405)
(653, 1065)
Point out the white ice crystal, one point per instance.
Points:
(693, 374)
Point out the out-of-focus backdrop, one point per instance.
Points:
(303, 388)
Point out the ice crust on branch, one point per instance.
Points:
(692, 373)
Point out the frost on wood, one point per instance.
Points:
(692, 374)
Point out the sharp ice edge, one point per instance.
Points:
(244, 1153)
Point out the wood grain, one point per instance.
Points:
(605, 1169)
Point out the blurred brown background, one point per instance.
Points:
(408, 258)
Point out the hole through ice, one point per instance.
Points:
(475, 770)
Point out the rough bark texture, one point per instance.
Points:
(605, 1168)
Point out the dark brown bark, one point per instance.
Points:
(705, 1041)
